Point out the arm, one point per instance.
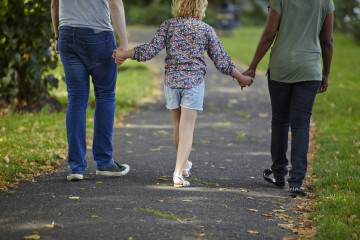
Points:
(55, 21)
(326, 42)
(118, 17)
(148, 51)
(218, 55)
(266, 40)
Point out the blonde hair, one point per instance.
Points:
(189, 8)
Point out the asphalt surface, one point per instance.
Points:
(227, 199)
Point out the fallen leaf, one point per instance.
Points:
(200, 235)
(222, 189)
(50, 225)
(253, 210)
(74, 197)
(244, 190)
(286, 226)
(267, 215)
(34, 236)
(253, 232)
(263, 115)
(163, 179)
(278, 210)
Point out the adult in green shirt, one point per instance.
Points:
(302, 33)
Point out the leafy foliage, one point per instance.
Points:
(347, 16)
(25, 53)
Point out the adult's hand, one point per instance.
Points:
(250, 73)
(57, 46)
(324, 84)
(119, 61)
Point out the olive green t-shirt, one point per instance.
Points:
(296, 53)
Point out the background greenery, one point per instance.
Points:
(25, 53)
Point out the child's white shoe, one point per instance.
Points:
(186, 172)
(181, 183)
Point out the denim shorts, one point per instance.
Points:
(190, 98)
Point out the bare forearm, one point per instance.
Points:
(267, 38)
(118, 17)
(55, 16)
(326, 42)
(327, 53)
(262, 48)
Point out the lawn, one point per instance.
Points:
(32, 144)
(336, 163)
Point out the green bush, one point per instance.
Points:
(347, 19)
(25, 53)
(153, 14)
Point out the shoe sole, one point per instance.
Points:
(75, 177)
(114, 174)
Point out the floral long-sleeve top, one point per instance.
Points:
(186, 40)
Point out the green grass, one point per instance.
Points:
(337, 117)
(158, 213)
(34, 143)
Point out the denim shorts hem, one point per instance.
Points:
(197, 109)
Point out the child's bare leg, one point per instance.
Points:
(186, 133)
(176, 113)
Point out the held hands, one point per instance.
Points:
(119, 56)
(242, 79)
(245, 81)
(250, 73)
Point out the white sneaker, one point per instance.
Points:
(75, 177)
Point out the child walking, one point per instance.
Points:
(186, 38)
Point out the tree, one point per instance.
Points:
(25, 53)
(347, 16)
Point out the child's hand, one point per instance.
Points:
(243, 80)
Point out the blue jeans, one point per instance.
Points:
(86, 52)
(291, 105)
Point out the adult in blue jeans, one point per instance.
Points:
(85, 40)
(302, 33)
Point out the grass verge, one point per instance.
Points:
(33, 144)
(336, 162)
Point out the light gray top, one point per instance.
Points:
(93, 14)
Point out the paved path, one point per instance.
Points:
(231, 148)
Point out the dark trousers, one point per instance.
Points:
(292, 105)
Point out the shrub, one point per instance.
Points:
(25, 52)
